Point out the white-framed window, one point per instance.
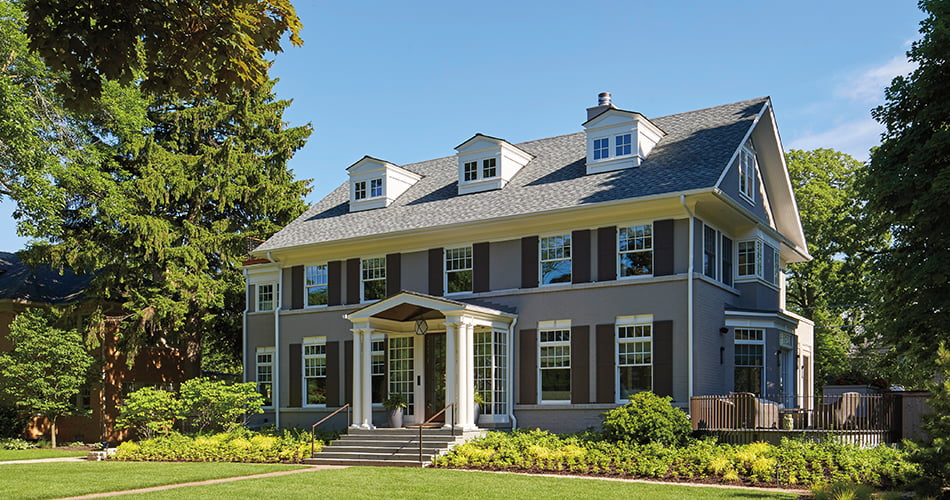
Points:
(378, 368)
(375, 187)
(749, 255)
(266, 295)
(776, 265)
(623, 144)
(264, 374)
(554, 363)
(315, 285)
(491, 370)
(470, 170)
(555, 259)
(489, 168)
(634, 359)
(747, 167)
(315, 371)
(601, 148)
(750, 360)
(710, 252)
(401, 370)
(458, 270)
(373, 278)
(359, 190)
(635, 250)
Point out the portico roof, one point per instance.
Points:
(408, 306)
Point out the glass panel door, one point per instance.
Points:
(402, 370)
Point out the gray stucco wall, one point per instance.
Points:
(756, 295)
(711, 376)
(504, 271)
(414, 276)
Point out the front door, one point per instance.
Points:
(435, 374)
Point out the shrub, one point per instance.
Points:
(210, 405)
(15, 444)
(842, 490)
(648, 418)
(240, 445)
(149, 411)
(12, 421)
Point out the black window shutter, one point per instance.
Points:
(334, 283)
(606, 364)
(251, 298)
(528, 367)
(347, 372)
(296, 287)
(727, 261)
(353, 281)
(663, 247)
(480, 263)
(435, 272)
(663, 358)
(334, 374)
(393, 274)
(580, 256)
(296, 375)
(529, 262)
(580, 364)
(607, 253)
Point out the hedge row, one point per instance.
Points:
(791, 463)
(240, 445)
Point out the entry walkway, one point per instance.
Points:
(42, 460)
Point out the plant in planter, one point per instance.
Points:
(395, 403)
(479, 401)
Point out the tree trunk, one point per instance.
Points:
(52, 432)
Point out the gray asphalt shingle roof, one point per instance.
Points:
(692, 155)
(42, 284)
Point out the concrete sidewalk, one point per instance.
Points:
(42, 460)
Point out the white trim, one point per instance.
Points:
(306, 295)
(570, 258)
(748, 134)
(322, 340)
(646, 321)
(271, 350)
(363, 298)
(554, 326)
(652, 250)
(445, 271)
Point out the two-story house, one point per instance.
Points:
(555, 277)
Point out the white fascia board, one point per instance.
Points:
(748, 133)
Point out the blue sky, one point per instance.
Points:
(409, 81)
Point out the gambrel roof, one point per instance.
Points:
(693, 155)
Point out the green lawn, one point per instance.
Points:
(38, 453)
(399, 483)
(64, 479)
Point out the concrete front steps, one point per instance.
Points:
(389, 447)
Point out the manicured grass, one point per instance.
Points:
(64, 479)
(399, 483)
(35, 453)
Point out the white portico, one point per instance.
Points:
(436, 351)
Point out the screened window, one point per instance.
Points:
(601, 148)
(710, 249)
(315, 285)
(373, 278)
(379, 370)
(265, 297)
(555, 365)
(470, 170)
(359, 190)
(315, 371)
(401, 370)
(458, 269)
(491, 371)
(555, 259)
(749, 360)
(376, 187)
(623, 144)
(265, 375)
(489, 168)
(634, 359)
(636, 250)
(747, 171)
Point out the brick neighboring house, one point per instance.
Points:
(22, 287)
(556, 277)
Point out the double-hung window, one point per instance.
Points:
(634, 359)
(266, 296)
(359, 190)
(489, 168)
(710, 251)
(315, 285)
(470, 170)
(458, 270)
(375, 188)
(264, 374)
(315, 370)
(750, 360)
(554, 361)
(750, 258)
(623, 144)
(747, 175)
(379, 369)
(373, 282)
(601, 148)
(555, 259)
(635, 250)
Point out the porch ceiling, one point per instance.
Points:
(406, 311)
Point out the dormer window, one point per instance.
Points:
(601, 148)
(486, 163)
(617, 139)
(377, 183)
(623, 144)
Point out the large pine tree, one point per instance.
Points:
(908, 191)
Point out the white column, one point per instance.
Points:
(451, 370)
(466, 384)
(357, 377)
(366, 378)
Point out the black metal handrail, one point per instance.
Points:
(313, 428)
(423, 424)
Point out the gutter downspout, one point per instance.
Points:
(689, 298)
(276, 372)
(511, 382)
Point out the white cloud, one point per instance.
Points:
(855, 138)
(868, 85)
